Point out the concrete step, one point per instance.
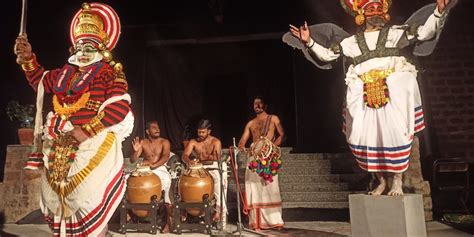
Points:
(340, 196)
(306, 163)
(289, 161)
(285, 205)
(304, 171)
(331, 205)
(306, 187)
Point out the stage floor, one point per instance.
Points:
(318, 228)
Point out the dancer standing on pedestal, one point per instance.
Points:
(383, 105)
(83, 162)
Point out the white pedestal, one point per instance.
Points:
(375, 216)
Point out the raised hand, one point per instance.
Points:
(136, 144)
(442, 4)
(301, 33)
(22, 49)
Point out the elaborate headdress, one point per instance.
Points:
(357, 8)
(98, 23)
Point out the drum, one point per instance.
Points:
(265, 159)
(142, 185)
(194, 184)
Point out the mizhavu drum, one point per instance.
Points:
(142, 185)
(194, 184)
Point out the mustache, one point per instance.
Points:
(376, 20)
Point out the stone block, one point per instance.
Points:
(20, 194)
(427, 203)
(428, 215)
(374, 216)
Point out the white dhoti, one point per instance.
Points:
(83, 205)
(165, 178)
(264, 201)
(381, 139)
(214, 171)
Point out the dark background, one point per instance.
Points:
(183, 63)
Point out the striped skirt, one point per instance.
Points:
(381, 139)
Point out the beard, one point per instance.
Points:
(376, 21)
(258, 110)
(154, 136)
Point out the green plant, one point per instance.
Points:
(23, 113)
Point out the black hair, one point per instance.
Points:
(149, 123)
(204, 124)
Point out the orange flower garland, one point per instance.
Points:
(70, 109)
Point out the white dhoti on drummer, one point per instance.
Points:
(213, 169)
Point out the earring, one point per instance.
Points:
(107, 55)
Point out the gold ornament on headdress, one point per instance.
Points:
(360, 18)
(90, 23)
(386, 16)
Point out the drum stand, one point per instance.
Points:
(179, 206)
(150, 226)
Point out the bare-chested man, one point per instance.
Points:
(264, 199)
(156, 153)
(207, 150)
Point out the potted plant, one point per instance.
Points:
(25, 115)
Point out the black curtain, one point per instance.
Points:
(186, 82)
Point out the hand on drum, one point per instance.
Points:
(193, 162)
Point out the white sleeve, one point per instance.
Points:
(323, 54)
(433, 24)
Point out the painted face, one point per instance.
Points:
(373, 9)
(259, 106)
(154, 130)
(203, 133)
(85, 52)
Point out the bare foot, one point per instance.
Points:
(216, 217)
(381, 187)
(397, 183)
(378, 190)
(279, 228)
(165, 229)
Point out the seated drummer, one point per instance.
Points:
(207, 149)
(156, 153)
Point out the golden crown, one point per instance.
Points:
(91, 24)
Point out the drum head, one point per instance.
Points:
(175, 165)
(262, 148)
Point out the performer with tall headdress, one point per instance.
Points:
(82, 152)
(383, 105)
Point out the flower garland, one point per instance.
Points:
(70, 109)
(266, 162)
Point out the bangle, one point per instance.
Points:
(311, 45)
(95, 125)
(29, 65)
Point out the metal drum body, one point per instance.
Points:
(141, 187)
(194, 184)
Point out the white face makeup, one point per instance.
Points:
(84, 54)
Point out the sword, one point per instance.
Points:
(23, 17)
